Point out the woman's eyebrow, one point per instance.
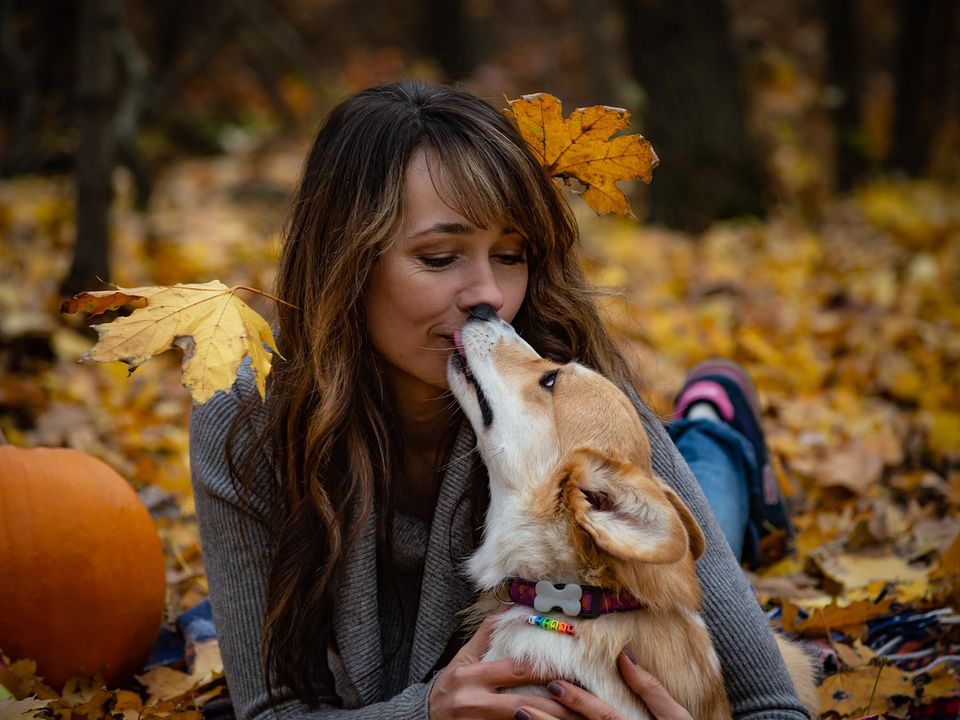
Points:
(445, 228)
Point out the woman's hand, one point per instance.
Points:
(661, 705)
(469, 688)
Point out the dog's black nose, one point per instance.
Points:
(483, 312)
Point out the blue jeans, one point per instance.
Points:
(723, 462)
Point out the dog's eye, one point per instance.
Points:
(549, 379)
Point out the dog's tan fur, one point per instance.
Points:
(574, 499)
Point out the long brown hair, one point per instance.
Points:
(329, 430)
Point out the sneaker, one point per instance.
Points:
(727, 387)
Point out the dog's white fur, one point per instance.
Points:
(573, 499)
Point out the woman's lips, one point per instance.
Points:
(458, 342)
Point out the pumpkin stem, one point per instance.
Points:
(3, 440)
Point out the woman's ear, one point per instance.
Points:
(626, 511)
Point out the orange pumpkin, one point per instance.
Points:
(82, 578)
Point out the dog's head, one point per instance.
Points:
(572, 487)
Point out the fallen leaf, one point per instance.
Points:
(953, 488)
(882, 689)
(853, 466)
(207, 663)
(854, 656)
(856, 571)
(18, 709)
(165, 683)
(945, 432)
(208, 322)
(949, 561)
(129, 704)
(580, 146)
(21, 679)
(79, 688)
(99, 705)
(834, 615)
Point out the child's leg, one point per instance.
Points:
(721, 459)
(718, 430)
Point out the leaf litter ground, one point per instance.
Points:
(850, 325)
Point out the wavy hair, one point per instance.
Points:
(329, 428)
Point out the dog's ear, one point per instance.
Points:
(626, 511)
(698, 543)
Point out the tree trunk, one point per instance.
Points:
(846, 77)
(681, 53)
(450, 38)
(926, 74)
(603, 58)
(96, 85)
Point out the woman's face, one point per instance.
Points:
(421, 289)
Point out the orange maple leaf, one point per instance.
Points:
(580, 146)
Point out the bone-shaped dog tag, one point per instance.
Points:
(549, 596)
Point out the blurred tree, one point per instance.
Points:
(96, 90)
(78, 80)
(449, 36)
(607, 82)
(845, 76)
(681, 52)
(928, 80)
(37, 68)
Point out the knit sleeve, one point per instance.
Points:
(237, 566)
(756, 679)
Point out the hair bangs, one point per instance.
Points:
(475, 181)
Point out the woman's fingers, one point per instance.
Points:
(577, 700)
(498, 674)
(476, 646)
(530, 713)
(654, 695)
(470, 688)
(507, 705)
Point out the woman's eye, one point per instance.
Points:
(512, 259)
(436, 261)
(549, 379)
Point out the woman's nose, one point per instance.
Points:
(481, 288)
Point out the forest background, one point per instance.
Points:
(804, 221)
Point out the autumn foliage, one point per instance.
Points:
(847, 318)
(581, 147)
(208, 323)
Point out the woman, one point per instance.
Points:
(335, 516)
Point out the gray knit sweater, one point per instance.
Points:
(386, 650)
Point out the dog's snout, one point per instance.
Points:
(483, 312)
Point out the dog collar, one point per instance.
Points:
(571, 599)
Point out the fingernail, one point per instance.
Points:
(630, 656)
(555, 688)
(521, 714)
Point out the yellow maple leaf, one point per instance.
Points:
(883, 689)
(580, 146)
(164, 683)
(856, 571)
(213, 327)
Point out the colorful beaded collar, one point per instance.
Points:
(585, 601)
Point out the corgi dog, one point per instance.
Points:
(581, 538)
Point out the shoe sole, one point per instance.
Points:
(733, 372)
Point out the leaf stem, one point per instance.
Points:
(264, 294)
(876, 681)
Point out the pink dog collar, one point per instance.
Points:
(571, 599)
